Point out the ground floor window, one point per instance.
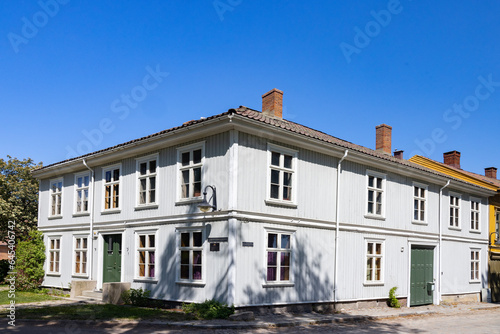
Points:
(80, 255)
(146, 249)
(191, 255)
(474, 265)
(374, 261)
(54, 255)
(279, 254)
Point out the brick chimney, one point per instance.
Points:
(384, 138)
(272, 103)
(491, 172)
(398, 154)
(452, 159)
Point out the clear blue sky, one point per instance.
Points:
(429, 69)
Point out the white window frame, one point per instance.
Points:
(373, 258)
(112, 183)
(455, 206)
(82, 189)
(191, 248)
(146, 249)
(475, 213)
(190, 168)
(279, 249)
(57, 239)
(475, 265)
(294, 171)
(55, 195)
(420, 200)
(80, 250)
(147, 176)
(382, 191)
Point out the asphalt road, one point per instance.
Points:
(481, 321)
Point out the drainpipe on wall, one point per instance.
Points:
(337, 228)
(91, 207)
(440, 240)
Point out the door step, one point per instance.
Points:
(92, 295)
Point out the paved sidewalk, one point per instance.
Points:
(285, 319)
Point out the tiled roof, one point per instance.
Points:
(279, 123)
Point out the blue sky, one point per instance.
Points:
(79, 76)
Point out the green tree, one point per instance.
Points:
(18, 196)
(30, 256)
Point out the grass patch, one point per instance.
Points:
(24, 297)
(98, 312)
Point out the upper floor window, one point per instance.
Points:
(147, 180)
(419, 203)
(82, 193)
(282, 169)
(112, 188)
(474, 214)
(454, 211)
(56, 197)
(279, 255)
(374, 262)
(376, 194)
(190, 162)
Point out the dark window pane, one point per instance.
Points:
(197, 189)
(143, 167)
(197, 156)
(272, 240)
(185, 158)
(285, 274)
(287, 193)
(287, 161)
(196, 257)
(184, 239)
(185, 271)
(370, 207)
(197, 174)
(197, 272)
(152, 183)
(370, 181)
(379, 183)
(272, 258)
(197, 239)
(151, 241)
(142, 241)
(271, 273)
(116, 175)
(184, 257)
(285, 241)
(285, 259)
(275, 159)
(416, 191)
(152, 166)
(274, 191)
(108, 176)
(275, 176)
(287, 179)
(370, 195)
(79, 181)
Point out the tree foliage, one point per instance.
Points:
(30, 256)
(18, 196)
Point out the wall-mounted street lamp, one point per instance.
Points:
(497, 239)
(205, 206)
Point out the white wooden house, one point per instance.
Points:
(302, 217)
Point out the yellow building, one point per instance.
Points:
(451, 167)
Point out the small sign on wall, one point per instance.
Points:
(247, 244)
(214, 246)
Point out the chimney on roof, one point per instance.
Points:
(491, 172)
(398, 154)
(452, 159)
(384, 138)
(272, 103)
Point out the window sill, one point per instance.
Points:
(186, 201)
(278, 285)
(276, 202)
(376, 217)
(200, 284)
(81, 214)
(111, 211)
(146, 207)
(475, 231)
(454, 228)
(474, 282)
(145, 280)
(373, 283)
(79, 276)
(416, 222)
(54, 274)
(55, 217)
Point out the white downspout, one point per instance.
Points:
(337, 228)
(440, 241)
(91, 241)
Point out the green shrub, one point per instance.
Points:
(30, 256)
(136, 297)
(4, 269)
(393, 301)
(210, 309)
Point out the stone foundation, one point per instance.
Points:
(112, 292)
(462, 298)
(77, 287)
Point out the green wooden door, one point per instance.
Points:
(422, 269)
(112, 258)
